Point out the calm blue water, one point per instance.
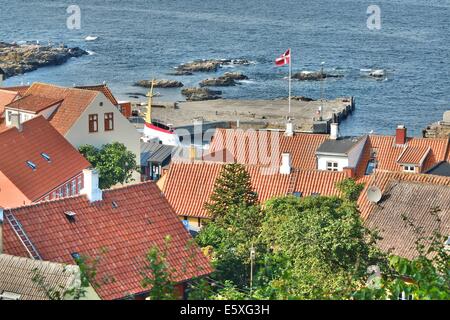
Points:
(141, 39)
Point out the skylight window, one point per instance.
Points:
(114, 205)
(46, 156)
(371, 165)
(32, 165)
(70, 215)
(6, 295)
(76, 256)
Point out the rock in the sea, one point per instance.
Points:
(17, 59)
(209, 65)
(379, 73)
(235, 76)
(218, 82)
(200, 94)
(159, 84)
(227, 80)
(313, 75)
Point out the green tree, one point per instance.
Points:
(158, 275)
(232, 188)
(322, 248)
(113, 161)
(350, 189)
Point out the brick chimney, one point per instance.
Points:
(349, 172)
(285, 167)
(400, 135)
(91, 189)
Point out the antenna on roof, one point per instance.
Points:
(374, 194)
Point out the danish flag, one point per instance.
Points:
(284, 59)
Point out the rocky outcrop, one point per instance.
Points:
(159, 84)
(313, 75)
(218, 82)
(200, 94)
(235, 76)
(227, 80)
(302, 98)
(210, 65)
(17, 59)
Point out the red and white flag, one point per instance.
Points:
(284, 59)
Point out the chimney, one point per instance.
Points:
(400, 135)
(15, 121)
(91, 189)
(334, 131)
(289, 129)
(285, 167)
(192, 153)
(1, 230)
(349, 172)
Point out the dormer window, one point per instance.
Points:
(46, 157)
(332, 166)
(31, 165)
(409, 168)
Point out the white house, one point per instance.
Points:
(339, 153)
(82, 116)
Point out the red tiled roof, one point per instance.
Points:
(406, 195)
(33, 103)
(6, 97)
(414, 155)
(381, 179)
(103, 88)
(251, 147)
(188, 185)
(75, 101)
(37, 137)
(388, 152)
(19, 89)
(143, 219)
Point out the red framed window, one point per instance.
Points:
(93, 123)
(109, 121)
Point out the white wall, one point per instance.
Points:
(124, 132)
(322, 162)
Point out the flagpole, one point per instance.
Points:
(290, 73)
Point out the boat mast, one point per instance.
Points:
(150, 95)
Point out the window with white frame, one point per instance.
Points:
(409, 168)
(332, 166)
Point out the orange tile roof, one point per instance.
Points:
(6, 97)
(251, 146)
(33, 103)
(75, 101)
(103, 88)
(388, 153)
(381, 179)
(188, 185)
(410, 195)
(37, 137)
(143, 219)
(414, 155)
(19, 89)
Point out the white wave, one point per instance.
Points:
(91, 38)
(91, 53)
(246, 81)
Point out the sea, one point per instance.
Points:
(142, 39)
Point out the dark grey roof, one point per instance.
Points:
(341, 146)
(154, 152)
(17, 273)
(416, 202)
(441, 169)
